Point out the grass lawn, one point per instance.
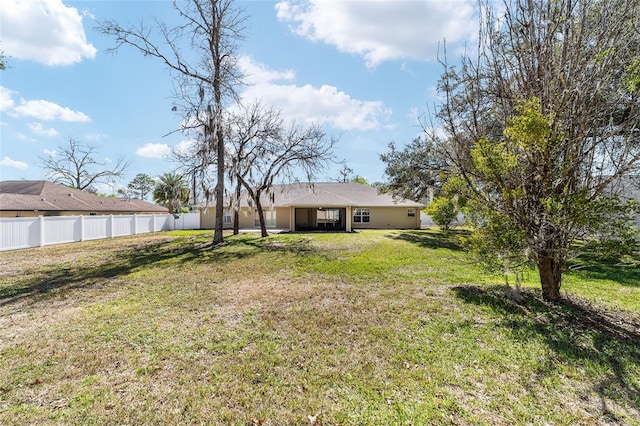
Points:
(371, 328)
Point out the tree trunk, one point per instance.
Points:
(236, 209)
(550, 277)
(217, 235)
(263, 226)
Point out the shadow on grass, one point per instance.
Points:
(64, 277)
(575, 330)
(293, 245)
(626, 275)
(433, 239)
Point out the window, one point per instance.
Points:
(227, 217)
(328, 218)
(411, 212)
(269, 219)
(361, 216)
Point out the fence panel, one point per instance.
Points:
(187, 221)
(96, 227)
(164, 222)
(61, 229)
(144, 224)
(123, 225)
(19, 232)
(25, 232)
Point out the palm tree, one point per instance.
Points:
(171, 191)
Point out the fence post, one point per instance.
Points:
(135, 224)
(110, 232)
(41, 230)
(81, 227)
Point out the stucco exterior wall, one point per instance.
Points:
(246, 219)
(381, 218)
(389, 218)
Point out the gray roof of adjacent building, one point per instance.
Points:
(40, 195)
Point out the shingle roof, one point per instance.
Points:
(331, 194)
(29, 195)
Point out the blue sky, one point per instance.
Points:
(363, 69)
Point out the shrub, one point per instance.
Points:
(442, 211)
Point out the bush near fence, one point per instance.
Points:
(26, 232)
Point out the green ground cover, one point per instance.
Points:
(375, 327)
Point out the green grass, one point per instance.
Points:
(377, 327)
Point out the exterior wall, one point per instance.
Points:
(389, 218)
(208, 218)
(381, 218)
(283, 218)
(246, 218)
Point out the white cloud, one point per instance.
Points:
(25, 138)
(39, 109)
(45, 31)
(46, 110)
(382, 31)
(95, 136)
(257, 73)
(154, 150)
(50, 152)
(6, 99)
(309, 104)
(186, 147)
(8, 162)
(40, 130)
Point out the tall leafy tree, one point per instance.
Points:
(201, 54)
(171, 191)
(543, 122)
(76, 166)
(414, 172)
(141, 186)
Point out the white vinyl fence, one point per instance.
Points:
(25, 232)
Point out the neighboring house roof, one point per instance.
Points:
(30, 195)
(330, 194)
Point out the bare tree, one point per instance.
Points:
(545, 119)
(344, 174)
(246, 129)
(75, 166)
(267, 151)
(200, 53)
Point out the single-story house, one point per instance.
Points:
(32, 198)
(329, 206)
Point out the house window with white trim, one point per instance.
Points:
(411, 212)
(227, 217)
(361, 215)
(269, 218)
